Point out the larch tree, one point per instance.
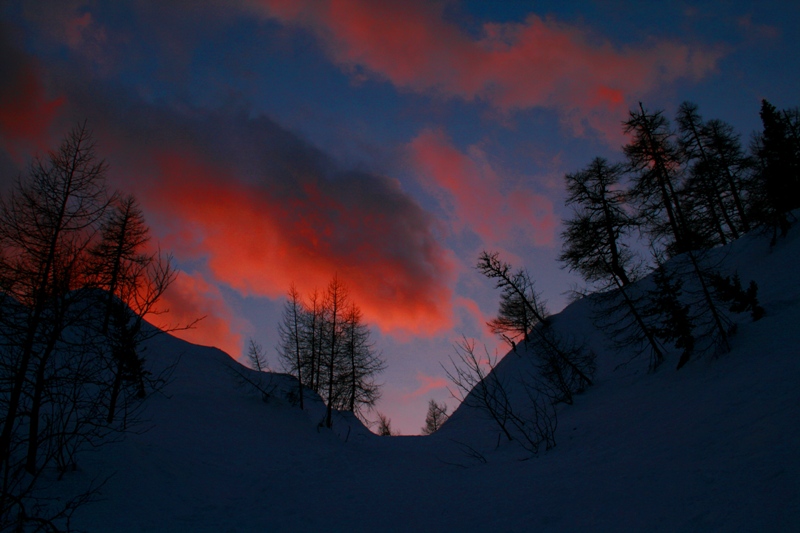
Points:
(256, 356)
(46, 228)
(655, 160)
(592, 239)
(593, 247)
(291, 347)
(75, 287)
(334, 306)
(717, 161)
(362, 362)
(566, 366)
(435, 417)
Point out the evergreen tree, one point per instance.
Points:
(778, 156)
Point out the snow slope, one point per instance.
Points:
(712, 447)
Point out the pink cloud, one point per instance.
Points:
(427, 384)
(538, 62)
(259, 240)
(476, 195)
(192, 297)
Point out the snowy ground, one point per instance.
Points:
(712, 447)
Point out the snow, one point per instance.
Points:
(712, 447)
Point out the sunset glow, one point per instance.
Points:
(272, 142)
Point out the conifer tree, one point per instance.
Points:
(436, 416)
(45, 231)
(655, 160)
(119, 253)
(362, 363)
(256, 356)
(778, 156)
(592, 244)
(567, 367)
(290, 334)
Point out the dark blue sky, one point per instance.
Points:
(274, 141)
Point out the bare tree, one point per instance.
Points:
(257, 357)
(385, 426)
(46, 228)
(568, 365)
(291, 339)
(528, 417)
(75, 291)
(436, 416)
(326, 345)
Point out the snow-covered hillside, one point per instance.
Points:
(711, 447)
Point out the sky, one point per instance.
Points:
(272, 142)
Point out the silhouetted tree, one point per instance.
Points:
(362, 363)
(75, 289)
(523, 410)
(778, 156)
(655, 160)
(567, 366)
(119, 253)
(385, 426)
(592, 244)
(291, 347)
(706, 196)
(256, 356)
(45, 229)
(134, 281)
(436, 416)
(326, 345)
(674, 319)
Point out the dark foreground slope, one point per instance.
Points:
(710, 447)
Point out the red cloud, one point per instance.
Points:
(190, 298)
(477, 195)
(26, 112)
(260, 239)
(539, 62)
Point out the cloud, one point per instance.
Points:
(477, 196)
(192, 297)
(427, 384)
(262, 208)
(260, 236)
(535, 63)
(26, 110)
(256, 207)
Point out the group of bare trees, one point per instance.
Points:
(680, 191)
(688, 190)
(76, 281)
(521, 406)
(325, 344)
